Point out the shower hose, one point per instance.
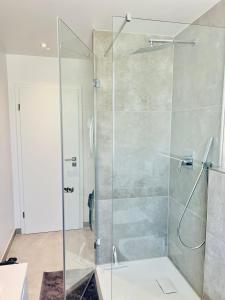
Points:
(205, 166)
(185, 209)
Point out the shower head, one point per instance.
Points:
(156, 44)
(151, 48)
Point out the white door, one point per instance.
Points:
(39, 136)
(73, 161)
(40, 155)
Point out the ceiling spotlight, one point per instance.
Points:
(43, 45)
(47, 48)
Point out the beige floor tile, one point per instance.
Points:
(44, 252)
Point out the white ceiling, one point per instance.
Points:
(24, 24)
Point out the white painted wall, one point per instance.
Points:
(6, 186)
(23, 70)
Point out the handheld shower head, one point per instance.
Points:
(207, 150)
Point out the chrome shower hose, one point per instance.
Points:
(184, 212)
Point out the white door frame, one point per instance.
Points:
(15, 132)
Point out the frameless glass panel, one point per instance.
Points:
(77, 111)
(168, 90)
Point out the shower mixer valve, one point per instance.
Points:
(186, 162)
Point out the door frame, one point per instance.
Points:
(16, 155)
(16, 150)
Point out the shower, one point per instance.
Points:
(151, 208)
(133, 216)
(161, 43)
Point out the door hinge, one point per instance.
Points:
(96, 83)
(18, 107)
(23, 215)
(97, 243)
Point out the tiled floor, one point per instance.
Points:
(44, 252)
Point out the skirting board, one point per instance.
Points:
(86, 224)
(16, 231)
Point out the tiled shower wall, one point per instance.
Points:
(196, 116)
(143, 97)
(214, 282)
(214, 275)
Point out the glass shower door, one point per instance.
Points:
(76, 63)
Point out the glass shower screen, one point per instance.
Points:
(76, 64)
(167, 98)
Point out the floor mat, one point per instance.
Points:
(52, 288)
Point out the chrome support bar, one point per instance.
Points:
(128, 19)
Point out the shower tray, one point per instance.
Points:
(141, 280)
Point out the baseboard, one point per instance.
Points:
(4, 256)
(85, 224)
(18, 231)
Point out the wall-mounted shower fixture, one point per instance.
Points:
(159, 43)
(205, 166)
(128, 19)
(186, 162)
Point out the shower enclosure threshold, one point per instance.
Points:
(140, 280)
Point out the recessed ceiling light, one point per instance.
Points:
(47, 48)
(43, 45)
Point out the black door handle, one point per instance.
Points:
(68, 189)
